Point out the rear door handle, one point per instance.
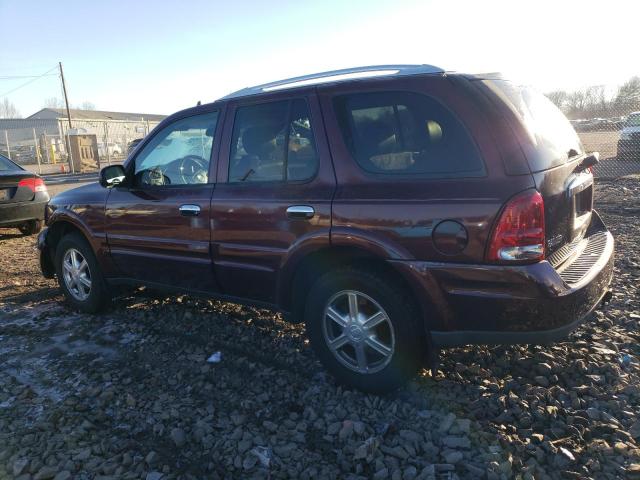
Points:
(189, 210)
(300, 212)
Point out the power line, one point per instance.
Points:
(28, 82)
(16, 77)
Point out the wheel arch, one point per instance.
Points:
(60, 228)
(294, 291)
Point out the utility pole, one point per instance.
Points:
(64, 90)
(66, 102)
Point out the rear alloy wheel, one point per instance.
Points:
(365, 330)
(31, 227)
(79, 275)
(358, 332)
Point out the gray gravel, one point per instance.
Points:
(129, 393)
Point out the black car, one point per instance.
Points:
(23, 197)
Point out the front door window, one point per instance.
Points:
(179, 154)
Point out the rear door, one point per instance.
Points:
(420, 175)
(553, 151)
(274, 191)
(158, 223)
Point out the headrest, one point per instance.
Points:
(256, 140)
(377, 131)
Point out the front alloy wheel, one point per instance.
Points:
(79, 274)
(76, 274)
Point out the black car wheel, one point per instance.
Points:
(31, 227)
(365, 330)
(79, 275)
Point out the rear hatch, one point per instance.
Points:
(554, 152)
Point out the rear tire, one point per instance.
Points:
(79, 275)
(31, 227)
(386, 327)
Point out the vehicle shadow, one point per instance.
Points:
(10, 235)
(49, 293)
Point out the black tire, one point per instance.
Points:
(98, 295)
(408, 331)
(31, 227)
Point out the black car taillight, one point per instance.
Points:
(33, 184)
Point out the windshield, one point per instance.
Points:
(7, 165)
(553, 138)
(633, 121)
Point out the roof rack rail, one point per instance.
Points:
(337, 76)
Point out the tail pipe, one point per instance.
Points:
(607, 297)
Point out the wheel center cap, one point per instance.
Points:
(355, 333)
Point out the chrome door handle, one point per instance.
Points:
(189, 210)
(300, 212)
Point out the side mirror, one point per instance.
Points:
(112, 175)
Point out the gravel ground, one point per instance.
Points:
(130, 394)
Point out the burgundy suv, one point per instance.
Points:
(395, 210)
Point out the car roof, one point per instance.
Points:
(335, 76)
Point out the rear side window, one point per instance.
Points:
(273, 142)
(406, 133)
(553, 137)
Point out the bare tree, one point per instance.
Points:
(87, 106)
(8, 109)
(627, 99)
(593, 101)
(576, 103)
(53, 102)
(559, 98)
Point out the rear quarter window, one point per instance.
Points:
(553, 138)
(8, 165)
(406, 133)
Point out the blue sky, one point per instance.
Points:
(161, 56)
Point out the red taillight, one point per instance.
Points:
(519, 233)
(33, 184)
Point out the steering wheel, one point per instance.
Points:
(193, 169)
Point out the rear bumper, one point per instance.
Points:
(16, 213)
(493, 304)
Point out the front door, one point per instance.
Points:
(158, 222)
(273, 197)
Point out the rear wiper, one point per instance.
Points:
(589, 161)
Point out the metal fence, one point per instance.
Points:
(42, 145)
(113, 136)
(26, 141)
(605, 141)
